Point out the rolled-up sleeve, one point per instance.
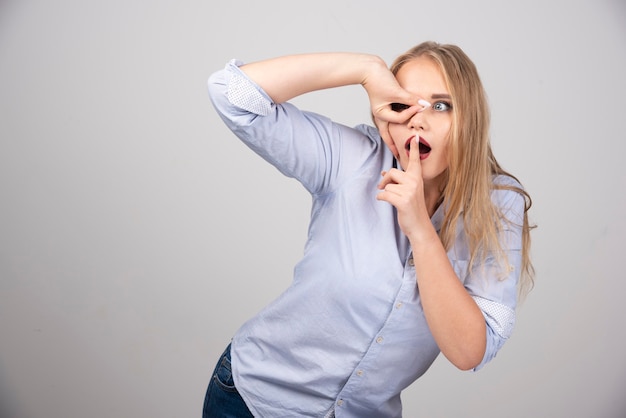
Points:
(303, 145)
(493, 283)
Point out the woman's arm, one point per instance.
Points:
(455, 320)
(286, 77)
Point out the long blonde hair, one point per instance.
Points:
(472, 165)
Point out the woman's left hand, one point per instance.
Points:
(405, 191)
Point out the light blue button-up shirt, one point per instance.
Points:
(349, 334)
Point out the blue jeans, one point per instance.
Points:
(222, 399)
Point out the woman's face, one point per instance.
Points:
(430, 127)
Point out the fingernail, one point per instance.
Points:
(424, 103)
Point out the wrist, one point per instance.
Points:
(424, 238)
(372, 64)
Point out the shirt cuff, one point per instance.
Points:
(243, 93)
(500, 321)
(499, 317)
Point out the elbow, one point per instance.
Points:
(470, 353)
(468, 362)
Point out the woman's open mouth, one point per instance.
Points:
(424, 147)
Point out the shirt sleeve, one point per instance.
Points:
(307, 146)
(493, 284)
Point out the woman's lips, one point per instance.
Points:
(424, 147)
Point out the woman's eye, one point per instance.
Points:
(399, 107)
(442, 106)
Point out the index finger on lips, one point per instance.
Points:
(414, 164)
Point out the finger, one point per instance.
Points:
(387, 195)
(414, 166)
(392, 193)
(393, 176)
(393, 188)
(385, 113)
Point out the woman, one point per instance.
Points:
(417, 243)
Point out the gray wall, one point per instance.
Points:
(136, 234)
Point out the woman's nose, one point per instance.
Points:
(418, 121)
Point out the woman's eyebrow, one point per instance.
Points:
(440, 96)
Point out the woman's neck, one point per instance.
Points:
(432, 198)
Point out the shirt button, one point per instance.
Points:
(359, 373)
(379, 340)
(340, 402)
(411, 262)
(398, 305)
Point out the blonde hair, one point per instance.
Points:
(472, 165)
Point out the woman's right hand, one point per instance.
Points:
(289, 76)
(382, 90)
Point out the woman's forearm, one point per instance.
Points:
(454, 319)
(284, 78)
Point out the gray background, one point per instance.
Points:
(137, 234)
